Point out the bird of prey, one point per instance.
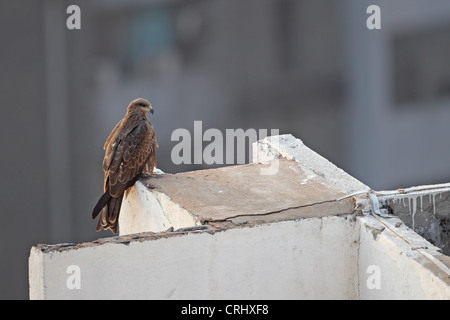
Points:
(129, 152)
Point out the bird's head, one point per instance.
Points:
(141, 105)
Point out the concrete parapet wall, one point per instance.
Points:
(337, 257)
(234, 233)
(309, 258)
(407, 266)
(425, 209)
(285, 176)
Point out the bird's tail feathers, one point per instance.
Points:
(102, 202)
(110, 210)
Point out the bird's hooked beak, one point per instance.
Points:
(150, 109)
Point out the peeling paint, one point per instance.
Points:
(375, 231)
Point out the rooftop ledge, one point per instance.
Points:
(291, 225)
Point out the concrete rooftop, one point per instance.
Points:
(240, 192)
(301, 184)
(239, 233)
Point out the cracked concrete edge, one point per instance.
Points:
(210, 227)
(287, 146)
(180, 218)
(315, 210)
(42, 248)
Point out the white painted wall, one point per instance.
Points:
(405, 272)
(315, 258)
(144, 210)
(309, 258)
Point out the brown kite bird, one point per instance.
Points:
(130, 151)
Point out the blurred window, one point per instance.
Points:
(422, 66)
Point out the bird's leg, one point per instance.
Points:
(145, 176)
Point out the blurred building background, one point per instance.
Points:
(374, 102)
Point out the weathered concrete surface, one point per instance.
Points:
(236, 194)
(396, 263)
(224, 193)
(291, 148)
(311, 258)
(293, 182)
(426, 210)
